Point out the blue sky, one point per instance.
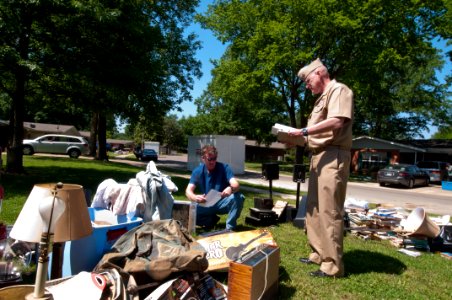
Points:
(214, 49)
(211, 49)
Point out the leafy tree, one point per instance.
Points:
(19, 65)
(380, 49)
(95, 59)
(173, 136)
(444, 133)
(229, 108)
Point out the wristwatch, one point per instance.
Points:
(304, 131)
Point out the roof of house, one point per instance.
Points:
(47, 128)
(433, 143)
(274, 145)
(51, 128)
(376, 143)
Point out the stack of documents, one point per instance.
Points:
(282, 135)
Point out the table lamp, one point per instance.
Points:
(53, 212)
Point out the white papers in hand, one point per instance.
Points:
(212, 197)
(282, 135)
(281, 128)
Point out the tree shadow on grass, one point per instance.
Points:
(359, 262)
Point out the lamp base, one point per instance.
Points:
(46, 296)
(21, 292)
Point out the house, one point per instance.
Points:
(114, 144)
(436, 149)
(261, 152)
(33, 130)
(370, 154)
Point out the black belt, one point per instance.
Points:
(316, 151)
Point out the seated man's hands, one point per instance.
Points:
(226, 192)
(200, 198)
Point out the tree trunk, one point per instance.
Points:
(102, 137)
(14, 159)
(93, 135)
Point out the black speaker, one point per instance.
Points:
(263, 203)
(299, 173)
(270, 171)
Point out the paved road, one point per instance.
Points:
(433, 198)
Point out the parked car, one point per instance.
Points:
(438, 170)
(72, 145)
(403, 174)
(148, 154)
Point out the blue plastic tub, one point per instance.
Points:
(446, 185)
(84, 254)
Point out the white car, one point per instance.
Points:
(72, 145)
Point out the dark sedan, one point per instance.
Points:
(403, 174)
(148, 154)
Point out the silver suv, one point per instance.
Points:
(71, 145)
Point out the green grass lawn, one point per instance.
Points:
(374, 269)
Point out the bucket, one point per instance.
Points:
(418, 223)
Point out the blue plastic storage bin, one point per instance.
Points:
(446, 185)
(84, 254)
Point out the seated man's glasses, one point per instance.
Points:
(211, 158)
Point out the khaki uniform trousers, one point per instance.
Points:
(329, 171)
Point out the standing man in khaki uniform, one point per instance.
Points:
(329, 138)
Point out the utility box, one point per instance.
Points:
(152, 145)
(231, 150)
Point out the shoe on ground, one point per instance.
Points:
(320, 273)
(305, 260)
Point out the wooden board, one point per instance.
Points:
(224, 248)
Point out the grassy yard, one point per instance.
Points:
(374, 269)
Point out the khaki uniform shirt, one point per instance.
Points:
(335, 101)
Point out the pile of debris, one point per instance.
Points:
(402, 228)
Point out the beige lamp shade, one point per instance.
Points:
(73, 224)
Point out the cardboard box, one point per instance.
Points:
(197, 287)
(185, 213)
(224, 248)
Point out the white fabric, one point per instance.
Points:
(142, 196)
(84, 285)
(102, 197)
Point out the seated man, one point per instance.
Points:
(217, 176)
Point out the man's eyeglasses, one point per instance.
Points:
(210, 158)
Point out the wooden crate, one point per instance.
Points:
(256, 277)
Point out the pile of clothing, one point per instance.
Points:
(147, 196)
